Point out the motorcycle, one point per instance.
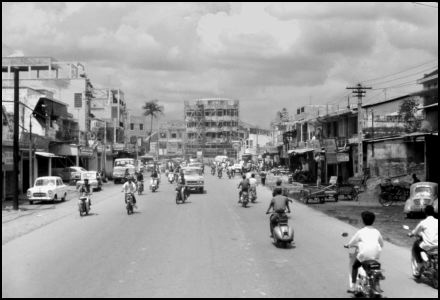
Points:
(220, 173)
(153, 184)
(179, 191)
(369, 276)
(229, 173)
(244, 199)
(170, 177)
(429, 267)
(140, 187)
(212, 171)
(84, 204)
(282, 233)
(392, 191)
(129, 203)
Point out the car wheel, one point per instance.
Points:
(409, 215)
(31, 202)
(54, 199)
(64, 198)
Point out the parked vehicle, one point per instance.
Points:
(429, 269)
(421, 195)
(95, 180)
(47, 188)
(393, 191)
(282, 233)
(369, 276)
(72, 174)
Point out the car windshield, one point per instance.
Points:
(424, 190)
(88, 175)
(191, 172)
(43, 182)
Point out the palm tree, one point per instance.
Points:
(153, 109)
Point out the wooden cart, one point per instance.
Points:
(320, 194)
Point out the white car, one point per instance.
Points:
(193, 179)
(48, 188)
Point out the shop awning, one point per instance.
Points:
(299, 151)
(46, 154)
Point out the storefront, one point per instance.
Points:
(303, 164)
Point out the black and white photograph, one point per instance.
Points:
(220, 150)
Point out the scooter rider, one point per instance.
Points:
(369, 244)
(428, 231)
(245, 185)
(155, 176)
(130, 187)
(279, 204)
(253, 184)
(87, 189)
(181, 185)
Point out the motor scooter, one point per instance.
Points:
(369, 276)
(153, 184)
(253, 194)
(282, 233)
(429, 267)
(220, 173)
(140, 187)
(179, 191)
(244, 199)
(84, 204)
(129, 203)
(170, 177)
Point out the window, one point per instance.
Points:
(77, 100)
(131, 126)
(173, 136)
(141, 126)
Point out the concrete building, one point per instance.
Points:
(66, 81)
(172, 139)
(50, 124)
(212, 126)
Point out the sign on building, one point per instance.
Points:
(342, 157)
(329, 145)
(77, 100)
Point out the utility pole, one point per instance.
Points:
(105, 146)
(15, 144)
(359, 91)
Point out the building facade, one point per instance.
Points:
(172, 139)
(212, 126)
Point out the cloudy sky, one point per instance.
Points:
(267, 55)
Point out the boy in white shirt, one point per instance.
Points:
(428, 231)
(369, 243)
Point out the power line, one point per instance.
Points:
(409, 75)
(406, 70)
(418, 3)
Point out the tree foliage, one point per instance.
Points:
(407, 111)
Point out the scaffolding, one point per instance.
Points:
(211, 126)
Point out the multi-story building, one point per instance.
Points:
(66, 81)
(43, 123)
(171, 139)
(212, 126)
(136, 133)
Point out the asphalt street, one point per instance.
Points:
(207, 247)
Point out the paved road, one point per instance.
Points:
(208, 247)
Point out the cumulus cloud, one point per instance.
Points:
(268, 55)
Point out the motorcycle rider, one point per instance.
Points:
(87, 189)
(253, 184)
(369, 244)
(427, 229)
(130, 187)
(181, 185)
(245, 185)
(279, 203)
(155, 176)
(140, 177)
(415, 178)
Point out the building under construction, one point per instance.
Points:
(212, 127)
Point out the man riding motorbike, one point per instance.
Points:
(87, 190)
(253, 184)
(279, 203)
(181, 185)
(140, 178)
(155, 177)
(130, 188)
(245, 185)
(427, 229)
